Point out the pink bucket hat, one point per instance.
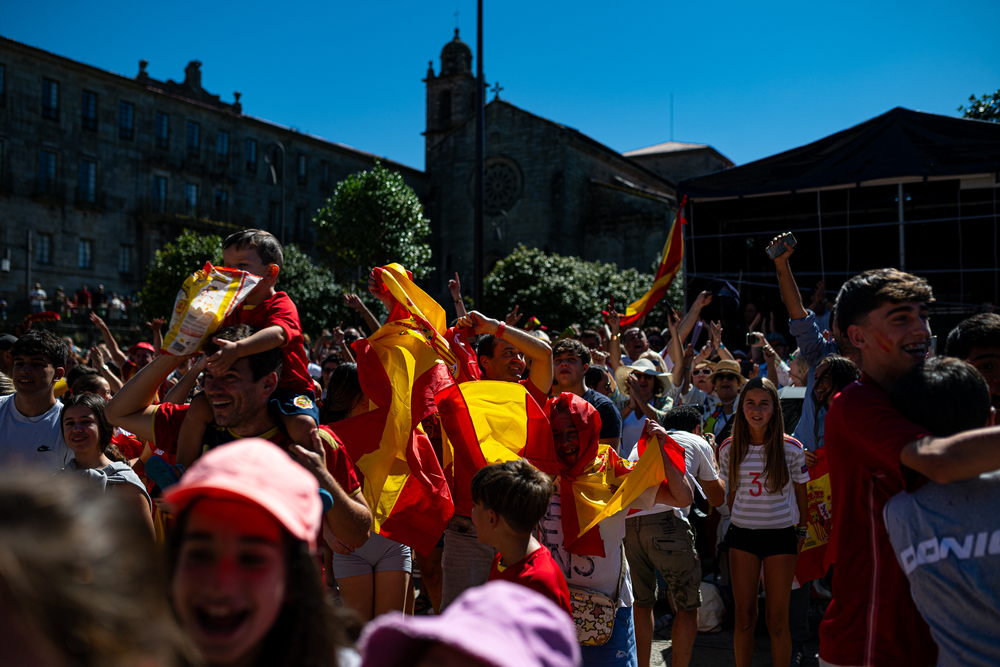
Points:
(501, 624)
(259, 472)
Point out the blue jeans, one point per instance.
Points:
(620, 650)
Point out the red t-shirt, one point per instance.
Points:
(279, 310)
(128, 445)
(538, 571)
(534, 392)
(872, 619)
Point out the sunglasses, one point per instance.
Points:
(734, 378)
(702, 371)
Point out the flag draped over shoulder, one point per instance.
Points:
(819, 513)
(402, 368)
(670, 264)
(601, 483)
(483, 423)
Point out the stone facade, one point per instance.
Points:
(677, 161)
(98, 171)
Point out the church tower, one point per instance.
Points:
(451, 95)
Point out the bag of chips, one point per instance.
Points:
(203, 302)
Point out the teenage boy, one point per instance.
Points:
(945, 535)
(874, 452)
(276, 321)
(977, 341)
(509, 499)
(30, 432)
(570, 361)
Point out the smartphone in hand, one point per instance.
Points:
(777, 247)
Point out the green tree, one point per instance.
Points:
(373, 219)
(175, 262)
(985, 108)
(560, 291)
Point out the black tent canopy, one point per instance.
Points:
(900, 143)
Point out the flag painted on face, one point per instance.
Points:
(670, 264)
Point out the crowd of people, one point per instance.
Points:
(77, 306)
(208, 509)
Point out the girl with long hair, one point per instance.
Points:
(89, 435)
(767, 477)
(243, 579)
(374, 578)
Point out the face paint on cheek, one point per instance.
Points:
(883, 342)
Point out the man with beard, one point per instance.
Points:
(239, 399)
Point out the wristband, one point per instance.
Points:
(458, 301)
(500, 329)
(802, 532)
(616, 336)
(721, 346)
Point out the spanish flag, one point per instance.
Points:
(601, 483)
(670, 264)
(483, 423)
(401, 372)
(814, 558)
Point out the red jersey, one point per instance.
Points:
(538, 571)
(872, 619)
(128, 445)
(279, 311)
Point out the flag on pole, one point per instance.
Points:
(670, 264)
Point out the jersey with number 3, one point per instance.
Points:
(755, 507)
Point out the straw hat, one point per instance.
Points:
(727, 367)
(644, 367)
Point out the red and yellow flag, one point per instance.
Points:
(670, 264)
(812, 559)
(402, 369)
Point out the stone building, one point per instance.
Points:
(546, 185)
(98, 171)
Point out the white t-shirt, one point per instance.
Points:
(34, 441)
(698, 464)
(601, 574)
(754, 507)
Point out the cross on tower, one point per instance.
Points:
(456, 19)
(496, 90)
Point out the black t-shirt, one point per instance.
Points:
(611, 417)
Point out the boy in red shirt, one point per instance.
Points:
(874, 453)
(509, 499)
(276, 322)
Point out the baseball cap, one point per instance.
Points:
(258, 472)
(6, 341)
(501, 624)
(775, 336)
(141, 346)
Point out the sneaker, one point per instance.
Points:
(798, 655)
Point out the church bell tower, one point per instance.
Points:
(451, 95)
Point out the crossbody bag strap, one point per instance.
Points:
(621, 575)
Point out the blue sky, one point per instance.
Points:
(751, 79)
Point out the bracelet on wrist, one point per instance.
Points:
(721, 346)
(616, 336)
(500, 329)
(458, 301)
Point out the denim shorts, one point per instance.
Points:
(620, 651)
(378, 554)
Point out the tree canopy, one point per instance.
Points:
(985, 108)
(560, 291)
(175, 262)
(373, 219)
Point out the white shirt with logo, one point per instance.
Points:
(31, 441)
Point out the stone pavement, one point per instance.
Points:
(717, 650)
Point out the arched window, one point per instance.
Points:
(445, 102)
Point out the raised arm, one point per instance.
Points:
(533, 348)
(349, 518)
(132, 408)
(109, 340)
(355, 303)
(613, 321)
(97, 361)
(182, 389)
(786, 281)
(455, 287)
(156, 325)
(715, 333)
(693, 315)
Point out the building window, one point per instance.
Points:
(222, 146)
(445, 102)
(3, 83)
(85, 254)
(162, 130)
(274, 217)
(324, 171)
(46, 172)
(193, 138)
(88, 111)
(303, 169)
(300, 223)
(221, 205)
(191, 200)
(160, 193)
(126, 121)
(43, 249)
(50, 99)
(124, 258)
(86, 190)
(252, 155)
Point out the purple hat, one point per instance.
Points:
(501, 624)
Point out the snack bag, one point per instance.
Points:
(203, 302)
